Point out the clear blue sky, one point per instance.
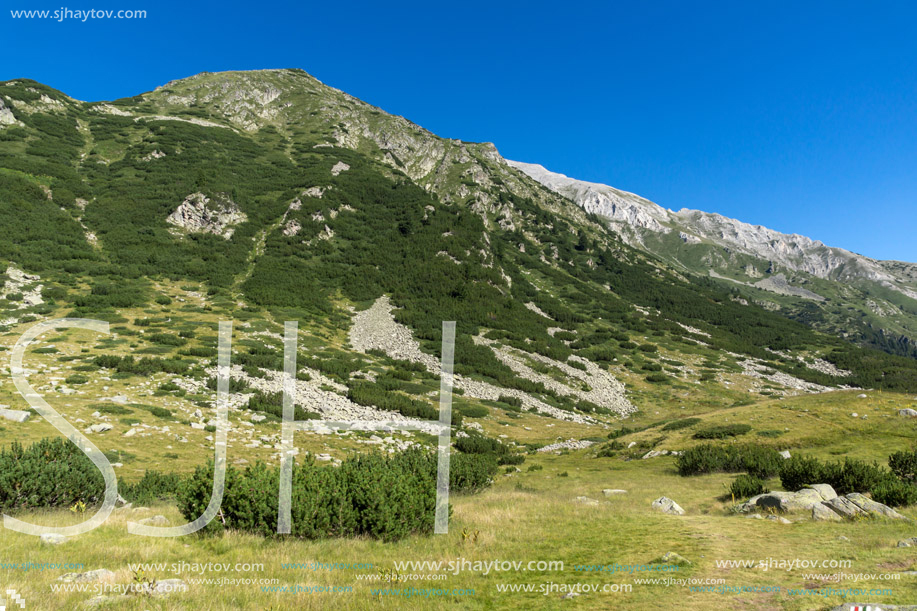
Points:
(800, 116)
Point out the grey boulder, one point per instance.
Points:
(667, 505)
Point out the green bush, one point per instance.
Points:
(479, 444)
(745, 486)
(154, 486)
(511, 459)
(76, 379)
(722, 431)
(677, 425)
(272, 405)
(514, 401)
(49, 473)
(610, 449)
(366, 393)
(895, 493)
(114, 409)
(756, 460)
(471, 472)
(383, 497)
(471, 411)
(845, 477)
(904, 465)
(657, 378)
(159, 412)
(165, 339)
(798, 472)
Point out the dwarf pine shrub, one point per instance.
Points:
(49, 473)
(746, 486)
(384, 497)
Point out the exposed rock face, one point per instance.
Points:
(200, 214)
(636, 218)
(603, 388)
(292, 228)
(376, 328)
(20, 282)
(339, 167)
(6, 115)
(622, 208)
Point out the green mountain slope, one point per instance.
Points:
(280, 194)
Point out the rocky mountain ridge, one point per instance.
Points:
(790, 265)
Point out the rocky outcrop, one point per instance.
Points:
(339, 167)
(823, 502)
(636, 219)
(804, 499)
(571, 444)
(853, 506)
(200, 214)
(6, 115)
(376, 329)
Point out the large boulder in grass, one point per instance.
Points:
(823, 513)
(825, 490)
(855, 505)
(873, 508)
(14, 415)
(803, 500)
(844, 507)
(667, 505)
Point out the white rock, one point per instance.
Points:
(667, 505)
(52, 539)
(14, 415)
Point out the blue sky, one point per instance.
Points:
(798, 116)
